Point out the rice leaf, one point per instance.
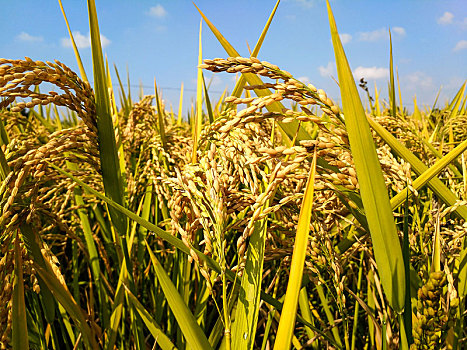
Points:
(357, 304)
(218, 330)
(208, 103)
(289, 128)
(436, 254)
(248, 305)
(73, 43)
(237, 91)
(392, 88)
(63, 296)
(160, 117)
(325, 303)
(4, 168)
(199, 100)
(31, 242)
(111, 175)
(401, 108)
(407, 315)
(180, 106)
(129, 86)
(124, 101)
(440, 155)
(377, 103)
(4, 139)
(383, 231)
(456, 100)
(176, 242)
(304, 304)
(161, 339)
(32, 246)
(66, 321)
(19, 329)
(91, 249)
(194, 335)
(117, 310)
(434, 170)
(286, 327)
(462, 275)
(435, 184)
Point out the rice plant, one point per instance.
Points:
(271, 218)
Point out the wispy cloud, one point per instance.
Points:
(461, 45)
(83, 41)
(23, 36)
(373, 35)
(345, 38)
(304, 79)
(158, 11)
(329, 69)
(419, 81)
(398, 30)
(371, 72)
(306, 3)
(380, 34)
(446, 18)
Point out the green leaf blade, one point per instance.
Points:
(193, 333)
(111, 174)
(386, 245)
(19, 327)
(289, 312)
(246, 315)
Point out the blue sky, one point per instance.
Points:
(159, 39)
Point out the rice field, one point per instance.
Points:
(271, 218)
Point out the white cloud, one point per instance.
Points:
(374, 35)
(104, 41)
(214, 81)
(461, 45)
(371, 72)
(446, 18)
(345, 38)
(380, 34)
(304, 79)
(23, 36)
(83, 41)
(398, 30)
(158, 11)
(306, 3)
(330, 69)
(419, 81)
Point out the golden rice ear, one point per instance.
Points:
(245, 224)
(253, 79)
(20, 75)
